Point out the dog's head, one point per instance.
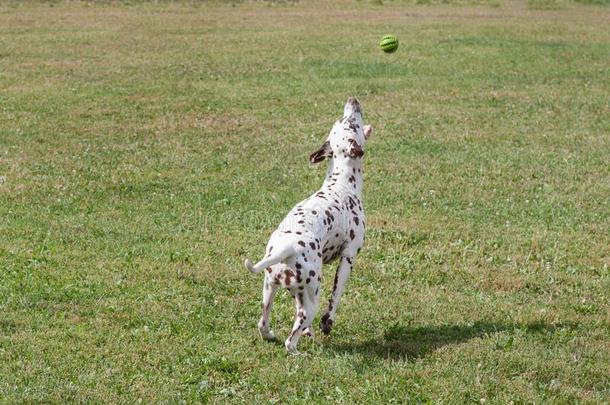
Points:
(347, 137)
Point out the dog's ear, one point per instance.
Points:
(368, 131)
(321, 154)
(355, 150)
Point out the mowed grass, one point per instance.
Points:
(146, 150)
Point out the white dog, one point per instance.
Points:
(328, 225)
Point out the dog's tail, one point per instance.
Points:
(277, 256)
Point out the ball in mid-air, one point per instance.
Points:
(389, 44)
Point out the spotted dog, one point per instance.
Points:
(328, 225)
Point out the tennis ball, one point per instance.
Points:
(389, 44)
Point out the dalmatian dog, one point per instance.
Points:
(326, 226)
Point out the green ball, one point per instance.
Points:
(389, 44)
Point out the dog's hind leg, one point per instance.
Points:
(304, 316)
(313, 289)
(264, 324)
(306, 299)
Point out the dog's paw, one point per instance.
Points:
(291, 348)
(268, 335)
(326, 324)
(249, 265)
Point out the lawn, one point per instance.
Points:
(147, 149)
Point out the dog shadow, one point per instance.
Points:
(412, 343)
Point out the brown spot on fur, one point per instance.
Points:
(356, 150)
(289, 274)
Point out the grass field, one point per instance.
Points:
(147, 149)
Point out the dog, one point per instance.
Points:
(326, 226)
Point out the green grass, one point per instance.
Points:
(146, 150)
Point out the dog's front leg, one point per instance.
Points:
(343, 272)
